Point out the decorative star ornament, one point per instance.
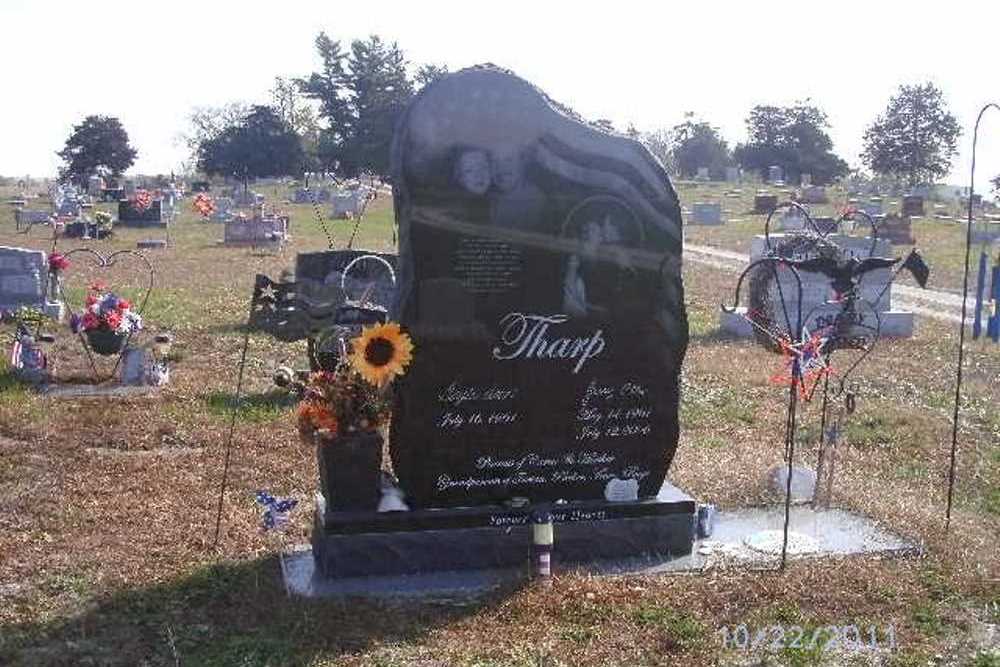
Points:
(805, 363)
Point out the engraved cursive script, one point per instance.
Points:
(526, 336)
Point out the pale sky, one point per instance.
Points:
(640, 62)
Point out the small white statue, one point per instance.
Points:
(392, 496)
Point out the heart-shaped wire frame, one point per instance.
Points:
(107, 262)
(871, 334)
(847, 216)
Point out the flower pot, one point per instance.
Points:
(105, 341)
(349, 467)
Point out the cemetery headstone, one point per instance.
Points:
(873, 207)
(913, 206)
(262, 231)
(702, 174)
(243, 198)
(706, 213)
(223, 210)
(25, 217)
(540, 279)
(68, 208)
(24, 281)
(813, 194)
(775, 174)
(539, 276)
(303, 196)
(897, 229)
(131, 216)
(732, 174)
(764, 203)
(806, 180)
(817, 291)
(348, 203)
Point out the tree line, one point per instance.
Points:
(914, 141)
(341, 117)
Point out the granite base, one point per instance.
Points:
(355, 544)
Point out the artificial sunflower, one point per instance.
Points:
(381, 352)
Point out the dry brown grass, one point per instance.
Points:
(106, 542)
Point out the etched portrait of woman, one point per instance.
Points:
(600, 279)
(473, 172)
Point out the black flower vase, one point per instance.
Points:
(349, 467)
(105, 341)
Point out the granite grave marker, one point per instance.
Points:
(131, 216)
(706, 213)
(540, 279)
(818, 308)
(764, 203)
(24, 277)
(913, 206)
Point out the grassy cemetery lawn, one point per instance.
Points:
(106, 549)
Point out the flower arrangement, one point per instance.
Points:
(381, 353)
(106, 312)
(142, 200)
(204, 204)
(58, 262)
(104, 220)
(354, 397)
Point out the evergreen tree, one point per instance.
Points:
(428, 74)
(361, 95)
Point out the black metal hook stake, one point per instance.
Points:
(961, 329)
(319, 218)
(232, 421)
(793, 391)
(790, 428)
(232, 427)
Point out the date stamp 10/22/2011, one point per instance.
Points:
(825, 638)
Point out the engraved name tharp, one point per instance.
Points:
(525, 336)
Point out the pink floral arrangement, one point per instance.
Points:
(105, 310)
(142, 200)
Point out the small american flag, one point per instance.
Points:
(36, 360)
(15, 354)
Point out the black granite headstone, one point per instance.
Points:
(131, 216)
(540, 279)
